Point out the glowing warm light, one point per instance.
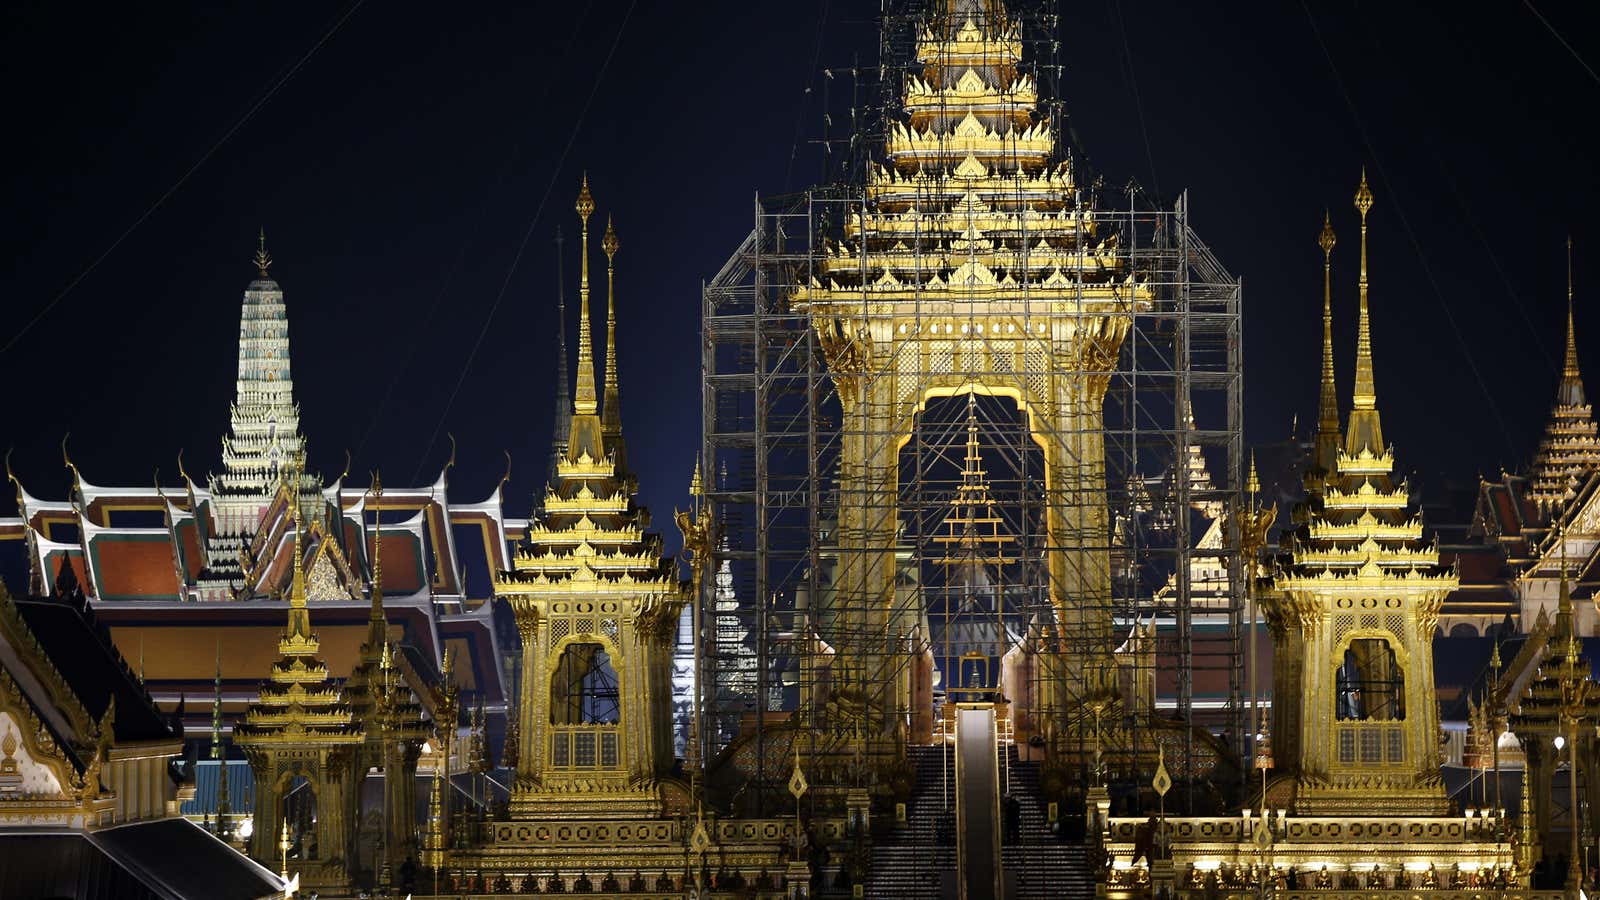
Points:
(246, 828)
(1561, 742)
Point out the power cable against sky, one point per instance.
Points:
(522, 246)
(805, 96)
(1133, 88)
(1405, 223)
(467, 238)
(182, 179)
(1557, 35)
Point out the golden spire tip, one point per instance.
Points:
(609, 243)
(263, 260)
(1363, 194)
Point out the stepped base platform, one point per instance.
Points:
(918, 860)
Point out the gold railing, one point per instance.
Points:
(1366, 743)
(584, 747)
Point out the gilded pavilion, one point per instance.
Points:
(434, 698)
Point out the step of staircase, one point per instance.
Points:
(912, 862)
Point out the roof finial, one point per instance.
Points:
(1564, 598)
(1570, 368)
(558, 436)
(299, 615)
(1365, 431)
(263, 260)
(216, 707)
(1252, 481)
(377, 547)
(611, 415)
(586, 402)
(1328, 403)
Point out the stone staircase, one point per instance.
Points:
(914, 861)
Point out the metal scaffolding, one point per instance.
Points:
(974, 607)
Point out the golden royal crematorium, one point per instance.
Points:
(981, 592)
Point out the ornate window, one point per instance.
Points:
(1369, 683)
(583, 690)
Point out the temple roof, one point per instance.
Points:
(590, 537)
(90, 665)
(1365, 529)
(1571, 448)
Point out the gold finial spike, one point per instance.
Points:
(1252, 481)
(696, 485)
(612, 410)
(585, 403)
(1494, 656)
(1365, 431)
(1569, 368)
(377, 546)
(297, 587)
(1365, 394)
(609, 243)
(263, 260)
(1328, 401)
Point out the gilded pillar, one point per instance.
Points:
(530, 733)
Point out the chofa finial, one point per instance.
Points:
(263, 260)
(609, 243)
(585, 204)
(1326, 239)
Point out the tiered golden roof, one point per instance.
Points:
(590, 574)
(968, 203)
(591, 540)
(1365, 530)
(381, 701)
(1571, 448)
(1360, 583)
(300, 703)
(1540, 709)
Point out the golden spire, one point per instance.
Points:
(377, 617)
(299, 627)
(1564, 627)
(585, 404)
(611, 414)
(1328, 403)
(1570, 369)
(1365, 431)
(262, 260)
(216, 708)
(1252, 481)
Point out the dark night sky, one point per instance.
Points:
(397, 171)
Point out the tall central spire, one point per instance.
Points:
(586, 403)
(1365, 431)
(264, 428)
(585, 439)
(1328, 402)
(1571, 393)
